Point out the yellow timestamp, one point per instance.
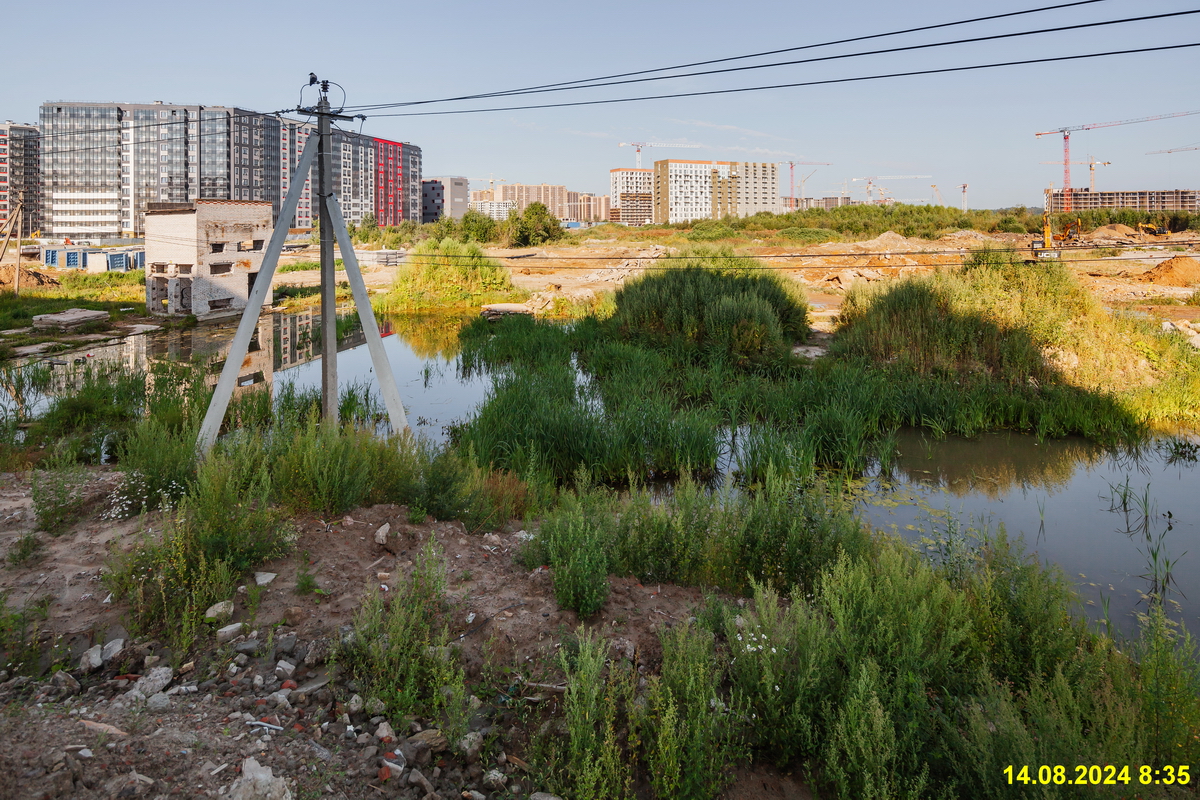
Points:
(1081, 775)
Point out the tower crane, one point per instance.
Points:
(1173, 150)
(491, 179)
(792, 177)
(1091, 164)
(637, 147)
(937, 194)
(963, 186)
(872, 178)
(1066, 134)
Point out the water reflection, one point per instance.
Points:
(992, 464)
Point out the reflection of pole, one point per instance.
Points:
(383, 368)
(329, 385)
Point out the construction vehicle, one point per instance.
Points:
(1147, 229)
(1049, 245)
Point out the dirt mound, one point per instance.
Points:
(28, 277)
(1109, 231)
(1177, 271)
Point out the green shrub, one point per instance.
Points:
(24, 550)
(687, 307)
(399, 650)
(448, 272)
(809, 235)
(325, 470)
(575, 547)
(57, 492)
(159, 468)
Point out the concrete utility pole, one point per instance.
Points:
(329, 382)
(20, 220)
(332, 224)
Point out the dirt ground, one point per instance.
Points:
(501, 612)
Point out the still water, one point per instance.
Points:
(1101, 516)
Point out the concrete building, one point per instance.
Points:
(587, 207)
(553, 196)
(496, 209)
(636, 209)
(108, 161)
(444, 197)
(629, 181)
(203, 258)
(1164, 200)
(20, 175)
(688, 190)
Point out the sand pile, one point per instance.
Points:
(1177, 271)
(1111, 231)
(28, 277)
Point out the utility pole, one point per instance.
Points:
(333, 224)
(20, 219)
(329, 382)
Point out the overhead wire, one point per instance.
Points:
(761, 54)
(824, 82)
(841, 56)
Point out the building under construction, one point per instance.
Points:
(1086, 200)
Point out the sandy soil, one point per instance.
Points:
(514, 621)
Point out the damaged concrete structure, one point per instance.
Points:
(202, 258)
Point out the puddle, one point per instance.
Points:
(1054, 493)
(1058, 495)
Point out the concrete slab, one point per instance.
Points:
(70, 319)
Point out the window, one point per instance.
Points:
(220, 269)
(224, 302)
(218, 247)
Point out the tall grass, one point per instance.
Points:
(1032, 328)
(713, 303)
(448, 273)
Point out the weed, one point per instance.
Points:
(400, 649)
(20, 634)
(448, 273)
(24, 550)
(306, 582)
(57, 491)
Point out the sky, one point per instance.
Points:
(972, 127)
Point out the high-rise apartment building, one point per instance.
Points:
(444, 197)
(629, 181)
(689, 190)
(104, 163)
(587, 207)
(20, 175)
(1145, 200)
(496, 209)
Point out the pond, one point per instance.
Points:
(1103, 516)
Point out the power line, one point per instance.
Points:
(741, 57)
(840, 56)
(826, 82)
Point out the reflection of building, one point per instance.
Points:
(203, 258)
(295, 344)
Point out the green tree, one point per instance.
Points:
(536, 225)
(478, 227)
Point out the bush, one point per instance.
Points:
(325, 470)
(809, 235)
(447, 272)
(399, 650)
(57, 492)
(714, 302)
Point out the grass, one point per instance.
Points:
(447, 274)
(998, 321)
(108, 291)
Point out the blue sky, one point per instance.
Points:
(975, 127)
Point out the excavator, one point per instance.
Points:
(1048, 245)
(1151, 230)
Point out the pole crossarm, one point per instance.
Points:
(379, 359)
(217, 407)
